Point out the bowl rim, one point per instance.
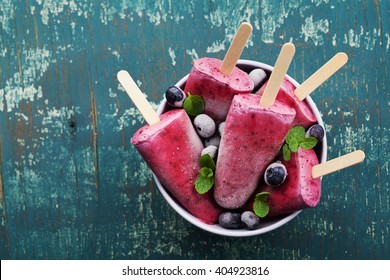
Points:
(215, 228)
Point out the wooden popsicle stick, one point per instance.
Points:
(321, 75)
(138, 98)
(236, 48)
(277, 75)
(337, 164)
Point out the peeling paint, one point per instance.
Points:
(192, 53)
(130, 117)
(312, 29)
(58, 119)
(53, 8)
(362, 38)
(24, 85)
(172, 55)
(216, 47)
(273, 16)
(6, 15)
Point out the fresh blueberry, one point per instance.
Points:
(258, 76)
(250, 220)
(175, 96)
(204, 125)
(316, 131)
(211, 150)
(221, 127)
(213, 140)
(275, 174)
(231, 220)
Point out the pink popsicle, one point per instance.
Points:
(252, 137)
(299, 191)
(216, 88)
(304, 115)
(172, 150)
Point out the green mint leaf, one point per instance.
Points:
(207, 161)
(308, 143)
(206, 172)
(205, 180)
(297, 132)
(286, 152)
(193, 105)
(294, 145)
(260, 205)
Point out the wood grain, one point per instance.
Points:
(73, 187)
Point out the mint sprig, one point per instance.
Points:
(260, 205)
(205, 180)
(295, 139)
(193, 105)
(207, 161)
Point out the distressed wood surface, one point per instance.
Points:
(73, 187)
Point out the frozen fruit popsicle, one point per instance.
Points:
(254, 133)
(302, 187)
(218, 81)
(172, 148)
(304, 115)
(252, 137)
(299, 190)
(295, 96)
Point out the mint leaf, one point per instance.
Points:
(308, 143)
(297, 132)
(205, 180)
(294, 138)
(193, 105)
(294, 145)
(260, 205)
(207, 161)
(286, 152)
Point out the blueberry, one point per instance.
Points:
(204, 125)
(213, 140)
(211, 150)
(221, 127)
(316, 131)
(275, 174)
(258, 76)
(175, 96)
(250, 220)
(230, 220)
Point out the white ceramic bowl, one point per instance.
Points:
(267, 224)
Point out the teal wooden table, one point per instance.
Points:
(73, 187)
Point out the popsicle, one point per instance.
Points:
(171, 147)
(253, 135)
(300, 190)
(218, 81)
(302, 187)
(295, 96)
